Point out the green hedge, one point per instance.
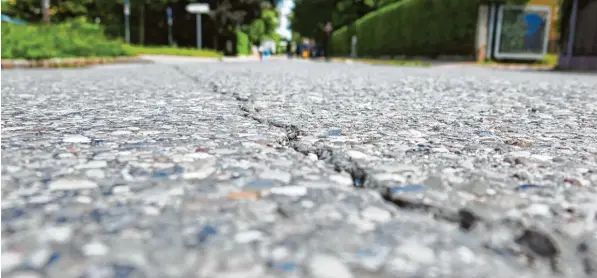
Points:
(341, 40)
(75, 38)
(413, 28)
(243, 44)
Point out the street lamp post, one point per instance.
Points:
(198, 9)
(169, 13)
(127, 27)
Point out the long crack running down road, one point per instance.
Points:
(293, 169)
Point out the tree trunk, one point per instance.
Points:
(142, 23)
(45, 7)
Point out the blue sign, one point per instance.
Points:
(7, 18)
(169, 12)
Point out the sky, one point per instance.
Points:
(285, 7)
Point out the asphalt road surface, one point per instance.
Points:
(298, 169)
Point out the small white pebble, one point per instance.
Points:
(341, 179)
(376, 214)
(440, 150)
(538, 210)
(294, 191)
(280, 253)
(199, 155)
(66, 155)
(520, 154)
(326, 266)
(248, 236)
(76, 139)
(307, 204)
(10, 260)
(282, 176)
(313, 157)
(417, 252)
(26, 274)
(490, 191)
(13, 169)
(40, 199)
(543, 158)
(84, 199)
(120, 189)
(59, 234)
(39, 257)
(95, 249)
(199, 174)
(95, 174)
(176, 191)
(357, 155)
(151, 210)
(93, 164)
(466, 254)
(68, 184)
(122, 132)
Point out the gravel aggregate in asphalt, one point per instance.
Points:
(288, 169)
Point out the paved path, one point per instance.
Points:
(288, 169)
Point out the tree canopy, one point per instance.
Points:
(222, 20)
(309, 17)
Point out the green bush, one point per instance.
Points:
(75, 38)
(414, 28)
(342, 39)
(243, 44)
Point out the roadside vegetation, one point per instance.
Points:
(69, 39)
(174, 51)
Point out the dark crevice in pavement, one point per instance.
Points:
(360, 176)
(537, 245)
(185, 74)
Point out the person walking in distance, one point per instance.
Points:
(260, 50)
(289, 49)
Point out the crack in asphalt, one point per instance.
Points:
(536, 244)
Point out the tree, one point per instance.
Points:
(257, 31)
(31, 10)
(265, 27)
(227, 14)
(224, 17)
(309, 17)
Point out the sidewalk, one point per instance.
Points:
(167, 59)
(443, 63)
(170, 59)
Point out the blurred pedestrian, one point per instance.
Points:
(298, 50)
(289, 49)
(260, 50)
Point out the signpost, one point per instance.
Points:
(353, 46)
(328, 30)
(169, 14)
(198, 9)
(127, 28)
(328, 27)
